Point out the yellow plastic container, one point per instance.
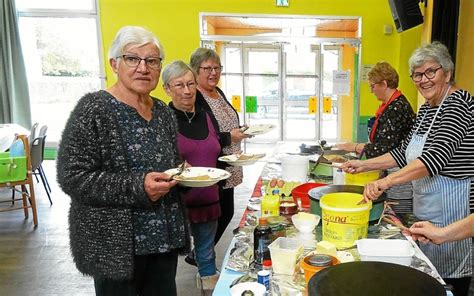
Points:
(344, 221)
(270, 205)
(361, 178)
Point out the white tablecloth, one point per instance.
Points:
(8, 132)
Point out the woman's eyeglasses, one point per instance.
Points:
(429, 73)
(134, 61)
(181, 86)
(208, 70)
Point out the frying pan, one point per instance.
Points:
(373, 278)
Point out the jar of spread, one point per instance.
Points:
(316, 262)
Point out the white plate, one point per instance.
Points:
(233, 159)
(259, 129)
(215, 175)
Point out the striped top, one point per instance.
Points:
(449, 148)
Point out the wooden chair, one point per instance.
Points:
(27, 196)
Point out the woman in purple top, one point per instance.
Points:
(198, 144)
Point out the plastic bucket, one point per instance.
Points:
(344, 221)
(361, 178)
(295, 168)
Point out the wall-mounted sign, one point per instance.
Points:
(327, 105)
(341, 82)
(365, 72)
(236, 103)
(312, 105)
(251, 104)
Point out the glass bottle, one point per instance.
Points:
(262, 237)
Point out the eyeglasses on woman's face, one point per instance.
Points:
(430, 73)
(133, 61)
(180, 86)
(372, 85)
(208, 70)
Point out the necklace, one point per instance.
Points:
(189, 118)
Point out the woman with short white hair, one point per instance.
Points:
(437, 158)
(127, 222)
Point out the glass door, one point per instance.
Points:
(299, 73)
(262, 83)
(301, 96)
(305, 90)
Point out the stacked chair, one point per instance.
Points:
(37, 157)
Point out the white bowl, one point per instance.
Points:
(306, 224)
(256, 288)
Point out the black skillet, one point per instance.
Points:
(365, 278)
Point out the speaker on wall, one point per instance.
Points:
(406, 14)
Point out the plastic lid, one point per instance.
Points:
(262, 221)
(267, 263)
(319, 260)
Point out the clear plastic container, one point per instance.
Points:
(285, 252)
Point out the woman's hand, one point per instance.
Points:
(157, 185)
(237, 135)
(349, 147)
(426, 232)
(373, 190)
(353, 166)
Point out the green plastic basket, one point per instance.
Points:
(12, 169)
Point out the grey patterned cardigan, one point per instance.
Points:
(94, 170)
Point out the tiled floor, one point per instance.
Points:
(38, 261)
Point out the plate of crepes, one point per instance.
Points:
(259, 129)
(241, 159)
(199, 176)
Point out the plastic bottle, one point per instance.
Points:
(262, 237)
(338, 177)
(267, 266)
(17, 149)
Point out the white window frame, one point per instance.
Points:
(66, 13)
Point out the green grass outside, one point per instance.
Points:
(50, 153)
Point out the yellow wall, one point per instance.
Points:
(465, 47)
(176, 23)
(346, 103)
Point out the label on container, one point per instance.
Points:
(263, 277)
(261, 251)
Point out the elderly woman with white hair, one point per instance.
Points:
(198, 144)
(437, 158)
(127, 221)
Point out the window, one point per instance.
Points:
(62, 57)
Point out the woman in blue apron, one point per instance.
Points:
(437, 158)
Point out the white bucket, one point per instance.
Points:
(295, 168)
